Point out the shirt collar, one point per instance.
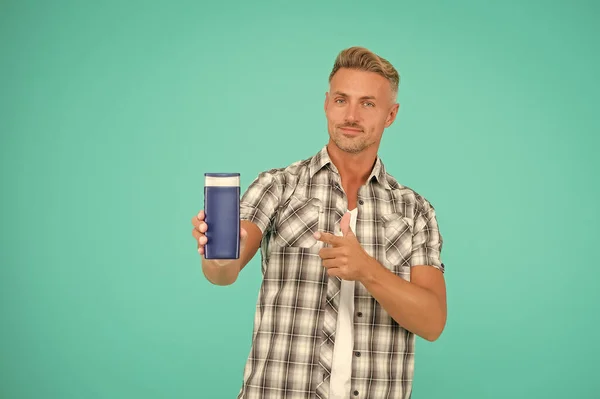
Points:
(321, 159)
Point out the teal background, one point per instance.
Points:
(112, 112)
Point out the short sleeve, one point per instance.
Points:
(427, 240)
(260, 200)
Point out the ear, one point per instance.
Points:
(392, 115)
(326, 101)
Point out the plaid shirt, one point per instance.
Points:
(294, 325)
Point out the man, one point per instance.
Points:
(350, 258)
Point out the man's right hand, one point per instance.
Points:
(223, 271)
(199, 233)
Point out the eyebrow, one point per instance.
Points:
(339, 93)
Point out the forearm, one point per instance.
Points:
(415, 308)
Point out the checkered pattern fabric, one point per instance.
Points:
(296, 312)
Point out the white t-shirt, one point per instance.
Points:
(341, 367)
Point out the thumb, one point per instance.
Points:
(243, 236)
(345, 224)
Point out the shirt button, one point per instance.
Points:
(359, 314)
(361, 202)
(355, 393)
(357, 354)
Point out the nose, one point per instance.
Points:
(352, 113)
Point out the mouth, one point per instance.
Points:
(350, 130)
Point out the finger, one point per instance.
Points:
(329, 253)
(200, 237)
(197, 219)
(199, 225)
(201, 243)
(335, 272)
(338, 261)
(202, 240)
(328, 238)
(243, 237)
(331, 263)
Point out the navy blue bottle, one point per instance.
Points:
(222, 215)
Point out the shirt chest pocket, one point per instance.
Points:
(297, 222)
(397, 239)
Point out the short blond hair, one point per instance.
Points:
(362, 59)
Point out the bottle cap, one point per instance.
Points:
(222, 179)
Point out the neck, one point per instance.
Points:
(354, 168)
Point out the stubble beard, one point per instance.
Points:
(351, 145)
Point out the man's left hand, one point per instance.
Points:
(345, 257)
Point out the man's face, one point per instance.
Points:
(358, 107)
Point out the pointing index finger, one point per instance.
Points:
(328, 238)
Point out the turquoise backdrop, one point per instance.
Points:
(110, 113)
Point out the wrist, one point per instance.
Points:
(371, 272)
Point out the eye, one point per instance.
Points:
(339, 100)
(369, 104)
